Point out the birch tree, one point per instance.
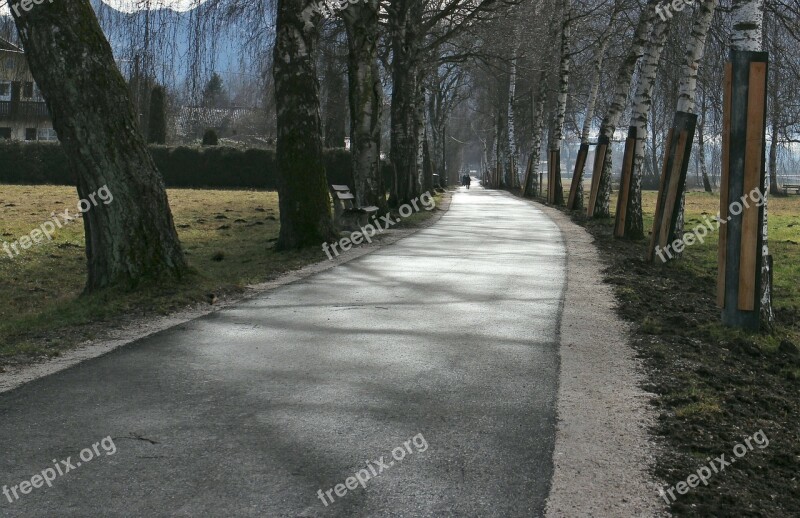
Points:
(537, 130)
(591, 102)
(687, 88)
(746, 36)
(512, 174)
(561, 100)
(643, 98)
(617, 106)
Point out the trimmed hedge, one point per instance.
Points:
(211, 167)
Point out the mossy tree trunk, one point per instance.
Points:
(302, 186)
(405, 143)
(132, 238)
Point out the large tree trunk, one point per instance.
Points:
(405, 129)
(133, 238)
(601, 180)
(302, 186)
(366, 99)
(643, 98)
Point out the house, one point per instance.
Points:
(23, 112)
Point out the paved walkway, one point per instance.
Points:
(446, 339)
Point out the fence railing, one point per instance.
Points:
(23, 111)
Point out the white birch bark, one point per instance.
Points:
(747, 17)
(687, 89)
(512, 139)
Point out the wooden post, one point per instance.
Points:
(741, 238)
(625, 183)
(677, 153)
(597, 172)
(577, 176)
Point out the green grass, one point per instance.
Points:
(228, 237)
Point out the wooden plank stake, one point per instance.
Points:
(577, 176)
(659, 199)
(672, 190)
(753, 162)
(625, 183)
(745, 165)
(597, 171)
(526, 182)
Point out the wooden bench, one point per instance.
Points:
(347, 214)
(790, 187)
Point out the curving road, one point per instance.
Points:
(429, 367)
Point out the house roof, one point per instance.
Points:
(8, 46)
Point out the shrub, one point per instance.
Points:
(210, 138)
(188, 167)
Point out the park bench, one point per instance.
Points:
(347, 214)
(791, 187)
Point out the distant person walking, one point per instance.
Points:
(465, 180)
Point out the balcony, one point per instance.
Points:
(24, 111)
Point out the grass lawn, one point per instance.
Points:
(784, 245)
(228, 237)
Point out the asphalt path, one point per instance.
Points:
(428, 368)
